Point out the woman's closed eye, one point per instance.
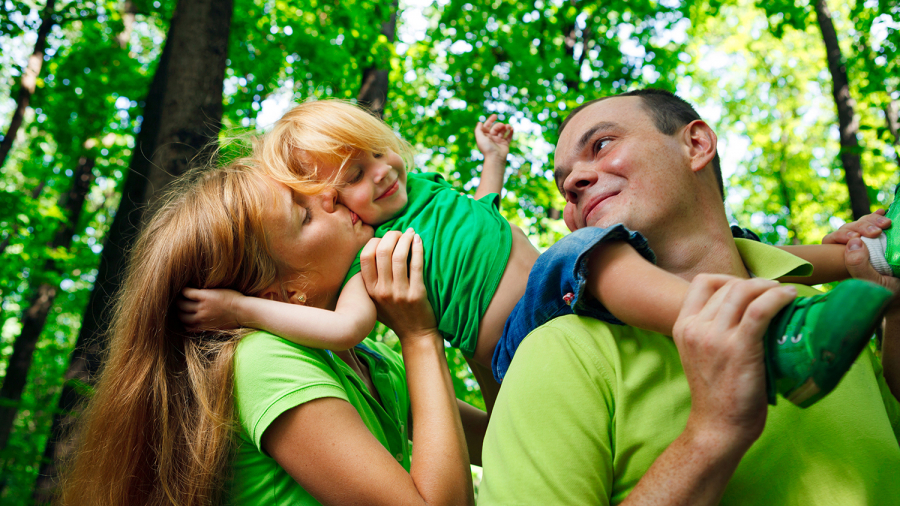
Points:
(308, 217)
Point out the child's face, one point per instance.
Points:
(374, 186)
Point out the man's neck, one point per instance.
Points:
(694, 250)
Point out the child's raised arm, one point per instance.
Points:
(341, 329)
(492, 139)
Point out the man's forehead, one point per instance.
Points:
(620, 110)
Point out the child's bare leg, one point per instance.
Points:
(828, 263)
(633, 289)
(509, 291)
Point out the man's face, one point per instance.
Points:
(614, 166)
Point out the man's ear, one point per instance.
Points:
(701, 142)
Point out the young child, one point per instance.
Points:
(476, 264)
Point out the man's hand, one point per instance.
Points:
(493, 138)
(869, 225)
(212, 309)
(719, 338)
(856, 254)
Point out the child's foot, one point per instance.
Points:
(813, 341)
(884, 250)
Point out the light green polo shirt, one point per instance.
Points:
(273, 375)
(587, 407)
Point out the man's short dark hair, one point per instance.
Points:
(669, 111)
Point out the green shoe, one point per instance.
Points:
(884, 250)
(813, 341)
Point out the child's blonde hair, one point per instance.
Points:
(322, 132)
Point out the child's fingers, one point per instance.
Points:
(191, 293)
(186, 306)
(488, 123)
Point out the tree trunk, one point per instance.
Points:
(374, 89)
(182, 118)
(29, 79)
(35, 316)
(848, 123)
(129, 11)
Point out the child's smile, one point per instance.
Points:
(374, 186)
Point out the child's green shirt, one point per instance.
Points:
(467, 245)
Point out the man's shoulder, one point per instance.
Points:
(587, 339)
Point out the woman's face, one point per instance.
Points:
(316, 238)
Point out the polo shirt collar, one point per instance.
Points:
(764, 261)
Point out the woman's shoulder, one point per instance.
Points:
(266, 360)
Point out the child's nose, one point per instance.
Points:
(379, 171)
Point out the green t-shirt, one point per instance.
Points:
(587, 407)
(273, 375)
(467, 245)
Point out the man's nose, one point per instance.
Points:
(578, 181)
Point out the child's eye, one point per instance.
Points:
(355, 177)
(377, 155)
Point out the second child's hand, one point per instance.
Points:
(493, 140)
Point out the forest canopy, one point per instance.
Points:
(804, 97)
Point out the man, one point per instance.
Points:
(594, 413)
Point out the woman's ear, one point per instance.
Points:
(702, 143)
(273, 293)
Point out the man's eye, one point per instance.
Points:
(600, 144)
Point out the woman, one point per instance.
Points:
(161, 427)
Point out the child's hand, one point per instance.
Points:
(212, 309)
(493, 137)
(869, 225)
(399, 296)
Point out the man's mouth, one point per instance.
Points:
(353, 217)
(390, 191)
(594, 205)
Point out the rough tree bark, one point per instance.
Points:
(374, 88)
(848, 123)
(182, 117)
(29, 79)
(35, 316)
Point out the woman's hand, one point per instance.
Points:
(399, 294)
(208, 309)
